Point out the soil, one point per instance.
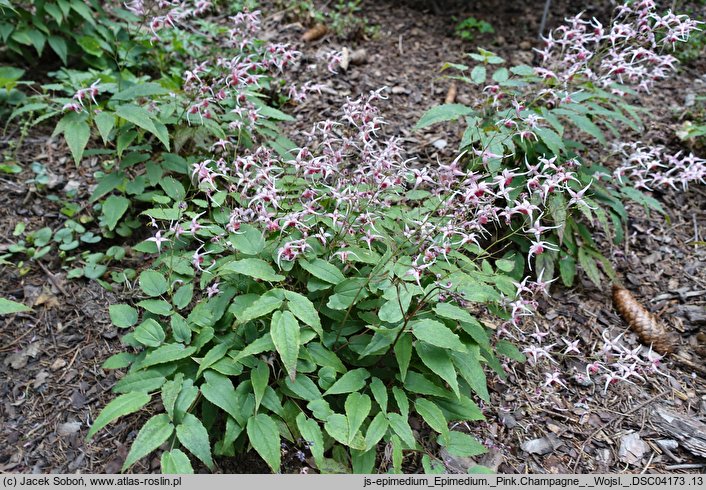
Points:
(52, 387)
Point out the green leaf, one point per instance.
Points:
(357, 408)
(567, 270)
(551, 139)
(403, 354)
(400, 425)
(589, 266)
(123, 316)
(507, 349)
(77, 133)
(588, 126)
(122, 405)
(141, 381)
(170, 393)
(185, 399)
(432, 415)
(417, 383)
(272, 113)
(167, 353)
(118, 361)
(183, 296)
(311, 433)
(323, 270)
(363, 462)
(113, 209)
(469, 367)
(219, 390)
(259, 378)
(436, 333)
(214, 355)
(305, 310)
(337, 427)
(149, 333)
(478, 74)
(395, 308)
(379, 392)
(462, 445)
(152, 283)
(141, 118)
(351, 381)
(175, 462)
(643, 199)
(439, 361)
(262, 344)
(501, 75)
(441, 113)
(194, 437)
(303, 387)
(255, 268)
(522, 70)
(260, 307)
(285, 333)
(140, 89)
(58, 45)
(453, 312)
(156, 306)
(8, 306)
(105, 121)
(264, 437)
(347, 293)
(248, 240)
(152, 435)
(376, 430)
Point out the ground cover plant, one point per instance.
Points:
(306, 300)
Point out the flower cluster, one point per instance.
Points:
(613, 363)
(653, 167)
(166, 14)
(628, 52)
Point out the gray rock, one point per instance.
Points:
(632, 448)
(542, 445)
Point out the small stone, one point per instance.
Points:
(508, 420)
(69, 428)
(398, 90)
(440, 144)
(541, 446)
(40, 379)
(525, 45)
(72, 186)
(632, 448)
(58, 364)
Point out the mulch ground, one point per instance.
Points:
(52, 387)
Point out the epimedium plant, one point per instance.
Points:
(321, 301)
(146, 121)
(538, 118)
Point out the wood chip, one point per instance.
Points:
(690, 432)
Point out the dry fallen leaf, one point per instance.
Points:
(451, 94)
(316, 32)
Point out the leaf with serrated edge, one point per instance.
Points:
(264, 438)
(286, 334)
(152, 435)
(175, 462)
(122, 405)
(194, 437)
(357, 408)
